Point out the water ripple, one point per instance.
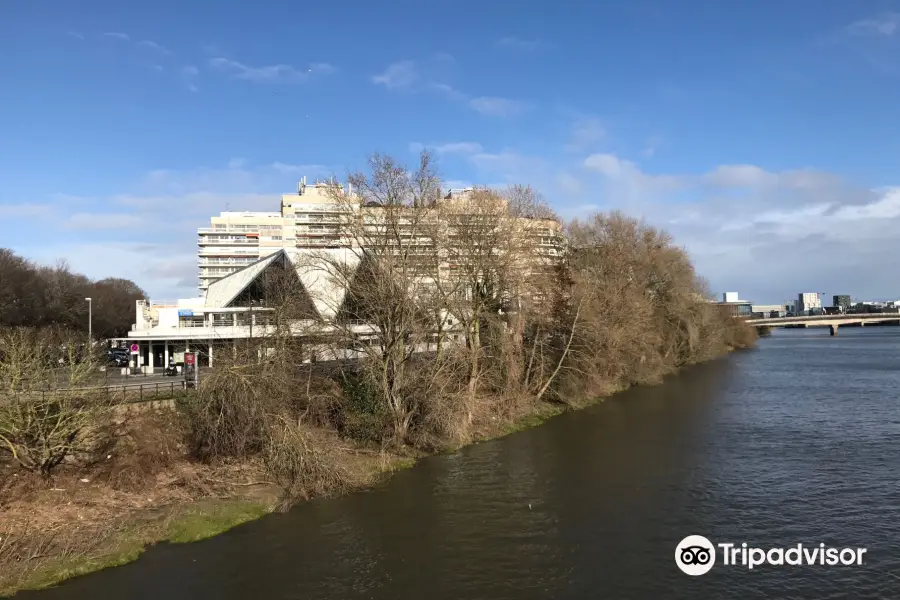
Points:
(794, 443)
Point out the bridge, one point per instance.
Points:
(832, 321)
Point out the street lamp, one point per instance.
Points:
(90, 322)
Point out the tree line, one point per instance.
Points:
(33, 295)
(484, 310)
(463, 317)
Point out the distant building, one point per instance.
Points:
(734, 306)
(841, 302)
(767, 311)
(808, 301)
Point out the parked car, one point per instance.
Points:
(118, 357)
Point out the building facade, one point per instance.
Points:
(841, 302)
(316, 218)
(234, 240)
(808, 301)
(733, 306)
(325, 236)
(768, 311)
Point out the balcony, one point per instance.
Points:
(228, 252)
(227, 262)
(320, 242)
(202, 241)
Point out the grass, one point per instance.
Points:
(544, 412)
(206, 519)
(179, 525)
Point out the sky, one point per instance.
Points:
(763, 136)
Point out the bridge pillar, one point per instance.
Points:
(834, 329)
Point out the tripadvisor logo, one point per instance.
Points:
(696, 555)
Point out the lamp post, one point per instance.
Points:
(90, 322)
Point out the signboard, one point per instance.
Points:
(185, 312)
(135, 348)
(190, 359)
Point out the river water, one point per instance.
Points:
(794, 442)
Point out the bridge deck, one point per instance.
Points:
(825, 320)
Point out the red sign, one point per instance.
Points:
(135, 348)
(189, 359)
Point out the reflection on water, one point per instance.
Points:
(794, 442)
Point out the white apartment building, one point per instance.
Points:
(308, 219)
(808, 301)
(309, 235)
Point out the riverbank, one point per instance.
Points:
(106, 516)
(85, 521)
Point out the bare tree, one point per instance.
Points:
(45, 415)
(377, 287)
(491, 246)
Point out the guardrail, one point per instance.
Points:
(125, 394)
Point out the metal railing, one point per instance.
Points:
(838, 317)
(123, 393)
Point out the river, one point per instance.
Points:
(794, 442)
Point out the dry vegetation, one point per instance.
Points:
(481, 313)
(33, 295)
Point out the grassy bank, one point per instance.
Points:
(73, 525)
(56, 529)
(126, 540)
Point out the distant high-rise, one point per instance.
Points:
(808, 301)
(842, 302)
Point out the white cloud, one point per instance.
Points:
(498, 107)
(148, 231)
(114, 35)
(887, 24)
(268, 73)
(75, 35)
(459, 148)
(151, 45)
(188, 75)
(401, 75)
(85, 221)
(627, 179)
(417, 76)
(163, 272)
(449, 91)
(652, 147)
(24, 211)
(586, 132)
(766, 233)
(740, 175)
(517, 43)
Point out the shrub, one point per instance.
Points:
(299, 460)
(228, 416)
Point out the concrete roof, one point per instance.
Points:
(316, 270)
(222, 291)
(323, 273)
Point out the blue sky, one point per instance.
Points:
(764, 136)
